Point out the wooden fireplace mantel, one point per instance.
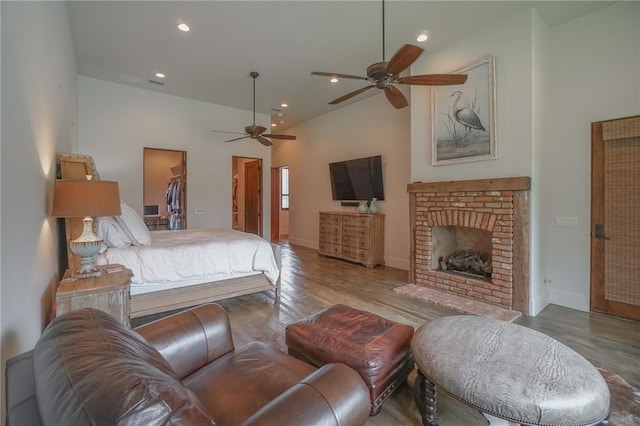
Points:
(521, 183)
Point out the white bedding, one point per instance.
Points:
(195, 253)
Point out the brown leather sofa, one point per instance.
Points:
(88, 369)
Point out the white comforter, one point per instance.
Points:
(193, 253)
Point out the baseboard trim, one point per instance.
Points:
(570, 300)
(304, 243)
(395, 262)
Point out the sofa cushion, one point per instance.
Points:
(239, 383)
(90, 369)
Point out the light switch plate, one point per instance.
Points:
(566, 221)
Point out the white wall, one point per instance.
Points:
(116, 122)
(551, 84)
(39, 111)
(510, 42)
(594, 69)
(365, 128)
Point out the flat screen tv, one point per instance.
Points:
(359, 179)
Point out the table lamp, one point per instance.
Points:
(86, 198)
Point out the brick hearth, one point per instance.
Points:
(498, 206)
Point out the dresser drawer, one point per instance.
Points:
(355, 255)
(330, 219)
(330, 249)
(357, 221)
(355, 232)
(355, 241)
(331, 238)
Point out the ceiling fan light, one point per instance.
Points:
(422, 37)
(160, 75)
(183, 27)
(334, 79)
(284, 105)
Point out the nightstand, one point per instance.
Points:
(108, 292)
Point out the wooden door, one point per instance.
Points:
(275, 204)
(253, 197)
(615, 217)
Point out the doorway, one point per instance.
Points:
(165, 189)
(247, 194)
(615, 217)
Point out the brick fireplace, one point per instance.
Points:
(492, 214)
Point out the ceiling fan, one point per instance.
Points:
(253, 131)
(384, 75)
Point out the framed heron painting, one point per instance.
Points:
(464, 123)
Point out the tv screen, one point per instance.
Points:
(359, 179)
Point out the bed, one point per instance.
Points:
(183, 268)
(177, 269)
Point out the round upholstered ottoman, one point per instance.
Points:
(507, 372)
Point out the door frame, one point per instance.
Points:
(260, 190)
(275, 204)
(182, 177)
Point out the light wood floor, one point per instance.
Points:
(311, 282)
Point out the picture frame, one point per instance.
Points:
(463, 116)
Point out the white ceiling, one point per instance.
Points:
(120, 41)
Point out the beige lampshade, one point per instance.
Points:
(80, 198)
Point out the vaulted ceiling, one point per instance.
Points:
(127, 42)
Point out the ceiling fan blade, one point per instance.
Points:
(350, 95)
(396, 97)
(403, 59)
(222, 131)
(433, 79)
(332, 74)
(264, 141)
(237, 139)
(285, 137)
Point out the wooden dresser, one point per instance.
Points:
(357, 237)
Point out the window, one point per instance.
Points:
(284, 188)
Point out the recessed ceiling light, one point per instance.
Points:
(422, 37)
(281, 122)
(183, 27)
(160, 75)
(333, 80)
(284, 105)
(273, 124)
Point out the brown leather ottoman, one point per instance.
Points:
(377, 348)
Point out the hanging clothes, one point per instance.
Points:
(173, 205)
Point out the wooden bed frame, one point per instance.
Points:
(184, 297)
(73, 166)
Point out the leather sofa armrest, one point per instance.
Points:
(22, 405)
(332, 395)
(190, 339)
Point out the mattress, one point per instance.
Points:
(196, 256)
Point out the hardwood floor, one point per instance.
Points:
(311, 282)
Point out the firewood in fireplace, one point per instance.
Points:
(470, 261)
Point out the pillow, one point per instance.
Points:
(133, 225)
(112, 233)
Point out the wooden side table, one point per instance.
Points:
(108, 292)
